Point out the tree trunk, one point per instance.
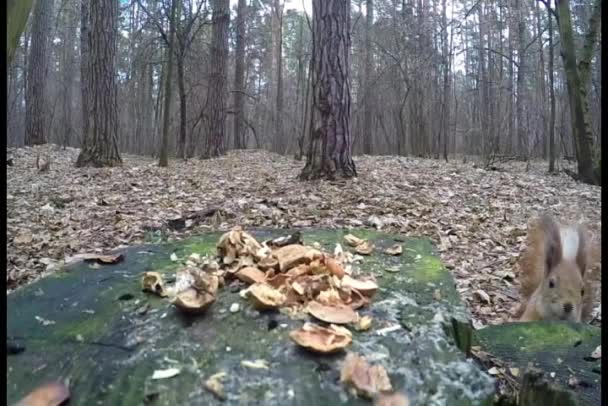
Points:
(551, 95)
(164, 148)
(183, 112)
(68, 65)
(35, 127)
(100, 141)
(367, 98)
(581, 130)
(330, 141)
(445, 116)
(541, 82)
(216, 123)
(17, 12)
(522, 138)
(239, 75)
(85, 80)
(486, 146)
(277, 57)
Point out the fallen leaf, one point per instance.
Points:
(50, 394)
(493, 371)
(173, 257)
(481, 294)
(165, 373)
(24, 237)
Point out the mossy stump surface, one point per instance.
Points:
(96, 329)
(560, 350)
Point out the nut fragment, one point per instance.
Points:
(153, 282)
(321, 339)
(265, 297)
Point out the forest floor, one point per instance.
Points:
(476, 218)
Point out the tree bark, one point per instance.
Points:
(551, 95)
(164, 148)
(100, 147)
(522, 139)
(367, 101)
(85, 80)
(581, 130)
(216, 122)
(17, 12)
(68, 59)
(35, 126)
(445, 116)
(277, 61)
(239, 75)
(330, 140)
(183, 112)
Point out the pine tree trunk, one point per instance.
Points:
(522, 138)
(100, 147)
(330, 140)
(35, 127)
(368, 102)
(581, 130)
(277, 56)
(216, 123)
(68, 59)
(164, 148)
(239, 75)
(183, 112)
(85, 80)
(551, 96)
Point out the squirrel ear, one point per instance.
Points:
(553, 246)
(581, 254)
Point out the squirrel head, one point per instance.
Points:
(562, 291)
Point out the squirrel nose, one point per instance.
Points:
(568, 307)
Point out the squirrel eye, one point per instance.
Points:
(551, 284)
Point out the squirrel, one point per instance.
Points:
(553, 273)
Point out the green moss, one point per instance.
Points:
(540, 336)
(198, 246)
(429, 269)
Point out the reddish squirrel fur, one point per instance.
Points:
(553, 273)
